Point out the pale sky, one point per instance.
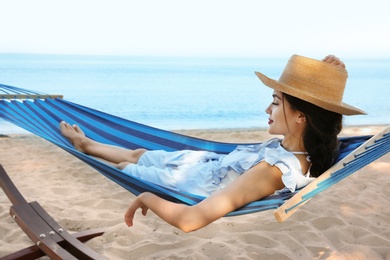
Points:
(248, 28)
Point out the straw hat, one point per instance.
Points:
(314, 81)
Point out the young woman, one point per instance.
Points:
(306, 110)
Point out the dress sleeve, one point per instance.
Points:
(289, 165)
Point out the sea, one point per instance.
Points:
(176, 93)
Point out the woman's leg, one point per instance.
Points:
(110, 153)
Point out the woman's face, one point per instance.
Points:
(281, 116)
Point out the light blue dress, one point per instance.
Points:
(203, 173)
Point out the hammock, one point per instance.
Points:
(41, 114)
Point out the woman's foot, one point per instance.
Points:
(74, 134)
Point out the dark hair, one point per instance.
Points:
(320, 136)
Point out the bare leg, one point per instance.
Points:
(86, 145)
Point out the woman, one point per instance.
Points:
(307, 110)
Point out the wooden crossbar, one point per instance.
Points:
(48, 236)
(293, 204)
(34, 252)
(17, 96)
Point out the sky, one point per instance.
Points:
(206, 28)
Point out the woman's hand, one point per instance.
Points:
(173, 213)
(331, 59)
(137, 203)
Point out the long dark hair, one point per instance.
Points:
(320, 136)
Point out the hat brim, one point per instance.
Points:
(341, 108)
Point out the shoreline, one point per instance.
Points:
(350, 220)
(347, 130)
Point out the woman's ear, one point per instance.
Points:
(301, 118)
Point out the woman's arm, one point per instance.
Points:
(256, 183)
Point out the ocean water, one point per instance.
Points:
(182, 93)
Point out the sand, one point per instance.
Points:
(350, 220)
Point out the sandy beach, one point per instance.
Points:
(350, 220)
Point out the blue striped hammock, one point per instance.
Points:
(41, 113)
